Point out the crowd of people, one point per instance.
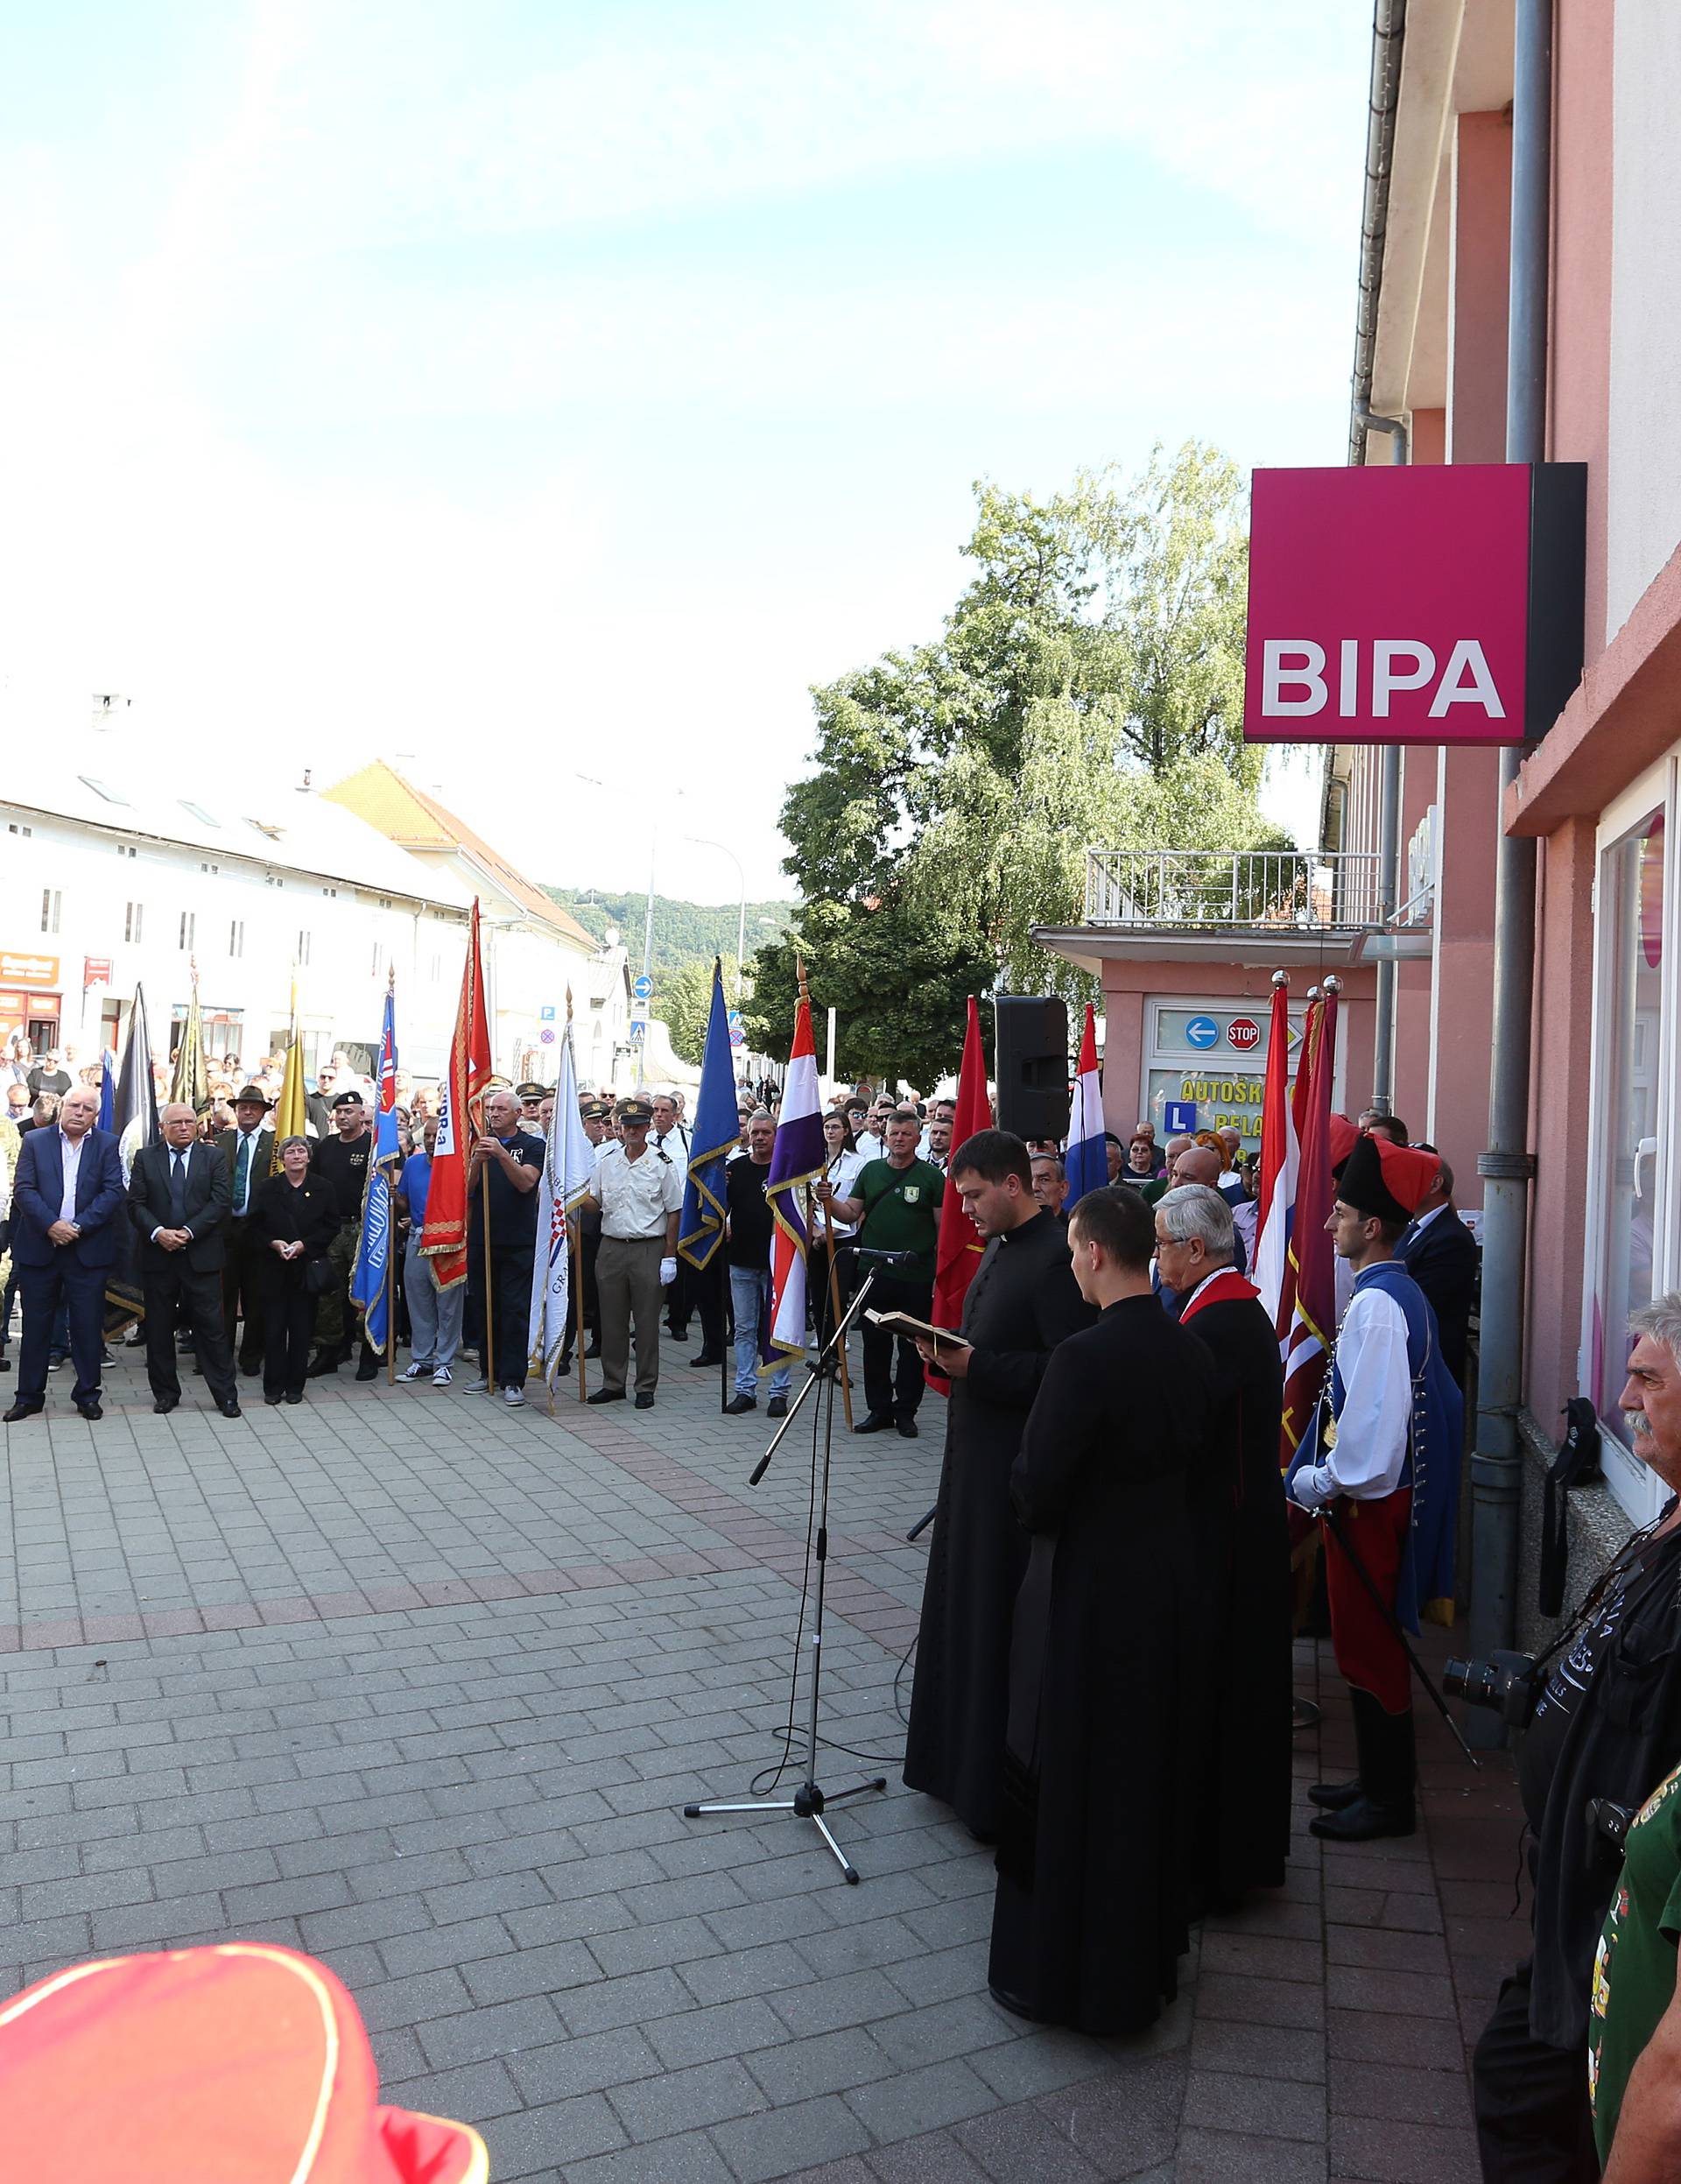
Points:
(1112, 1432)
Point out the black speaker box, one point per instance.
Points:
(1032, 1065)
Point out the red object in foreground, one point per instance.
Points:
(960, 1248)
(243, 2063)
(444, 1238)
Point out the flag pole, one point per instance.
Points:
(490, 1305)
(391, 1212)
(834, 1311)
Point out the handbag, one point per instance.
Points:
(318, 1277)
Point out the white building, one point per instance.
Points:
(535, 953)
(110, 878)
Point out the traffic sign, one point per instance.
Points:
(1201, 1031)
(638, 1030)
(643, 987)
(1181, 1118)
(545, 1014)
(738, 1036)
(547, 1035)
(1244, 1033)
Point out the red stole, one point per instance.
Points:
(1227, 1286)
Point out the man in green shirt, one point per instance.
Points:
(896, 1205)
(1634, 1971)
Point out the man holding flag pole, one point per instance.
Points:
(568, 1166)
(715, 1134)
(372, 1275)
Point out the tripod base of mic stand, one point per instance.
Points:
(808, 1803)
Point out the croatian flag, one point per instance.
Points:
(1086, 1162)
(1273, 1273)
(798, 1159)
(372, 1275)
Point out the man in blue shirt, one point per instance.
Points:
(435, 1313)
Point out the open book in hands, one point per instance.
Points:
(902, 1324)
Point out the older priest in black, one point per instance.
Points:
(1020, 1305)
(1090, 1914)
(1241, 1534)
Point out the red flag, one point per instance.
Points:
(1311, 1257)
(959, 1250)
(1280, 1155)
(444, 1238)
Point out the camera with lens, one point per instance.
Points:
(1504, 1682)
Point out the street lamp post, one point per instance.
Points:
(702, 841)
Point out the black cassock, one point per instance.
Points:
(1090, 1915)
(1242, 1537)
(1024, 1300)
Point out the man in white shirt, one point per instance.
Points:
(1386, 1467)
(640, 1195)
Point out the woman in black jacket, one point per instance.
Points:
(295, 1217)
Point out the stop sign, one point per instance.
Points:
(1244, 1033)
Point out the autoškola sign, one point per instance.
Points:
(1395, 604)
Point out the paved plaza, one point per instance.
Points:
(421, 1685)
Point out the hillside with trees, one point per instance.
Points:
(684, 932)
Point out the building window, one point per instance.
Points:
(303, 947)
(189, 930)
(330, 890)
(236, 937)
(213, 869)
(126, 850)
(133, 919)
(51, 903)
(12, 828)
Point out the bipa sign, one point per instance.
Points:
(1435, 605)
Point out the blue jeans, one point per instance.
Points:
(749, 1291)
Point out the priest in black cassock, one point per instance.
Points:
(1241, 1535)
(1020, 1305)
(1105, 1676)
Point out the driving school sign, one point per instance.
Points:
(1440, 604)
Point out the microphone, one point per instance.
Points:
(882, 1258)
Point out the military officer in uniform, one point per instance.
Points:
(639, 1193)
(531, 1097)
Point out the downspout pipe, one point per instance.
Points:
(1507, 1166)
(1389, 846)
(1389, 33)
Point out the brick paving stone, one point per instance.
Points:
(314, 1679)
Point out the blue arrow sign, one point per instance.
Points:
(1201, 1031)
(642, 987)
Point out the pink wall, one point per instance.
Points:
(1563, 1015)
(1478, 280)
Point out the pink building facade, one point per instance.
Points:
(1599, 792)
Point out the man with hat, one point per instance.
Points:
(530, 1097)
(1383, 1468)
(249, 1150)
(595, 1115)
(341, 1161)
(640, 1195)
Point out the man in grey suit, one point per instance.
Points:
(179, 1191)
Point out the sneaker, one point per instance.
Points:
(416, 1372)
(477, 1387)
(442, 1376)
(514, 1397)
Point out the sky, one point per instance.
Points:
(544, 396)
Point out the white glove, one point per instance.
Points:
(667, 1272)
(1311, 1489)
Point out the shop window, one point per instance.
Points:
(1631, 912)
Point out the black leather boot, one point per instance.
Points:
(1384, 1806)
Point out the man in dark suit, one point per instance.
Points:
(66, 1194)
(1440, 1253)
(249, 1151)
(180, 1191)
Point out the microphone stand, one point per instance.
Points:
(810, 1799)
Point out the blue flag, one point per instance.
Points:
(371, 1278)
(717, 1132)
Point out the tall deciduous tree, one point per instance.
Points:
(1086, 691)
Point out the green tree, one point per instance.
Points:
(684, 1001)
(1086, 691)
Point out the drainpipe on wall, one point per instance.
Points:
(1389, 845)
(1389, 33)
(1505, 1168)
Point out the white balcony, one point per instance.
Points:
(1249, 906)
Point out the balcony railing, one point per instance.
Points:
(1227, 888)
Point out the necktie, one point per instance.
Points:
(242, 1170)
(177, 1189)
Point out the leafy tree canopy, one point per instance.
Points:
(684, 932)
(1086, 691)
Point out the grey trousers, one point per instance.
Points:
(627, 1282)
(435, 1313)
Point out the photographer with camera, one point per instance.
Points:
(1599, 1720)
